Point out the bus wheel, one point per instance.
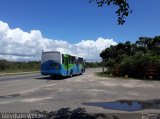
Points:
(71, 74)
(81, 72)
(52, 76)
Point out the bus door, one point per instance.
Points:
(77, 66)
(66, 64)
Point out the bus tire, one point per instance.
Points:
(81, 72)
(52, 77)
(71, 74)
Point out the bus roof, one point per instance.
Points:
(51, 52)
(62, 53)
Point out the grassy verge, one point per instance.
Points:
(109, 75)
(105, 74)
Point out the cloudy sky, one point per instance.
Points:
(73, 26)
(16, 44)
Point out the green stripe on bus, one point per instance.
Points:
(70, 66)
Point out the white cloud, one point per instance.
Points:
(16, 44)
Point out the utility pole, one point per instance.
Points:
(103, 66)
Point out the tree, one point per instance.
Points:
(152, 44)
(122, 11)
(132, 58)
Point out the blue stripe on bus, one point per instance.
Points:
(49, 68)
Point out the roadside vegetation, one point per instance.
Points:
(9, 66)
(136, 60)
(93, 64)
(105, 74)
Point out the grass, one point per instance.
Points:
(109, 75)
(105, 74)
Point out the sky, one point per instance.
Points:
(73, 26)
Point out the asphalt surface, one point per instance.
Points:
(19, 77)
(23, 93)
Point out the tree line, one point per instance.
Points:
(132, 58)
(93, 64)
(10, 66)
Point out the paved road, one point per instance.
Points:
(24, 93)
(19, 77)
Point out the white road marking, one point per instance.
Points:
(6, 102)
(28, 91)
(63, 89)
(30, 100)
(51, 85)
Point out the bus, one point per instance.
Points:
(55, 63)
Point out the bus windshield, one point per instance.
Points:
(55, 56)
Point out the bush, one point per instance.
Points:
(134, 66)
(8, 66)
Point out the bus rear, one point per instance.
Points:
(51, 63)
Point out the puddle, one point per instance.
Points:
(10, 96)
(127, 105)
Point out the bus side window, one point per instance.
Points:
(62, 59)
(73, 60)
(66, 61)
(80, 60)
(76, 61)
(70, 59)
